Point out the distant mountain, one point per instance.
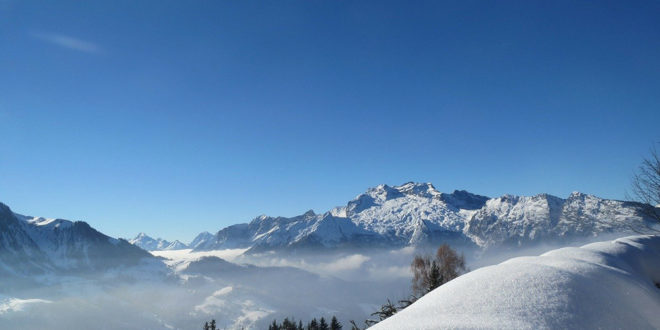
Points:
(201, 239)
(418, 214)
(35, 245)
(150, 244)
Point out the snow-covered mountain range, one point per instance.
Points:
(65, 260)
(383, 216)
(417, 214)
(150, 244)
(34, 245)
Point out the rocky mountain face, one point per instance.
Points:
(417, 214)
(34, 245)
(521, 220)
(145, 242)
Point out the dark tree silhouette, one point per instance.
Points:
(209, 326)
(290, 324)
(323, 325)
(354, 326)
(334, 324)
(287, 324)
(403, 303)
(434, 276)
(385, 311)
(313, 325)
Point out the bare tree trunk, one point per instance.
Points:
(646, 186)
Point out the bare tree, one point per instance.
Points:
(646, 184)
(354, 325)
(421, 269)
(450, 263)
(432, 272)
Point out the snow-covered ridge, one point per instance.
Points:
(35, 245)
(605, 285)
(417, 213)
(150, 244)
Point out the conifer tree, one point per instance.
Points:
(334, 324)
(323, 325)
(435, 279)
(288, 324)
(313, 325)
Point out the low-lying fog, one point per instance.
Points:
(235, 289)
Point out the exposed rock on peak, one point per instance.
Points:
(416, 213)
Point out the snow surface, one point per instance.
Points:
(600, 285)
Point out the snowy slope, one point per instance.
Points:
(19, 253)
(150, 244)
(418, 214)
(610, 285)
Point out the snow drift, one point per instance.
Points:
(600, 285)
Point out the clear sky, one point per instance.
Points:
(176, 117)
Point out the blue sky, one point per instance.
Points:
(175, 117)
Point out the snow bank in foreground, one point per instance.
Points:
(600, 285)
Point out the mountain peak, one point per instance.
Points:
(309, 213)
(465, 200)
(4, 208)
(383, 192)
(419, 189)
(417, 213)
(201, 239)
(577, 194)
(60, 245)
(148, 243)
